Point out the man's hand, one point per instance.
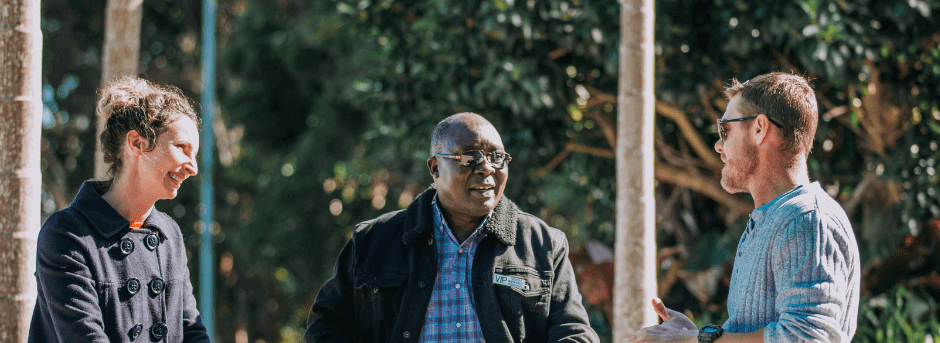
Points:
(676, 327)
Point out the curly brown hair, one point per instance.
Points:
(132, 103)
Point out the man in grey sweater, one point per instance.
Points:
(796, 272)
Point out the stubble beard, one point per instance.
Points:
(738, 170)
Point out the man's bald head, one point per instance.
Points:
(446, 127)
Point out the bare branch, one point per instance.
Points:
(600, 152)
(553, 163)
(703, 185)
(691, 135)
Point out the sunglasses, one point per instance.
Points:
(721, 128)
(496, 159)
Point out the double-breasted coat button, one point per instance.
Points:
(421, 284)
(135, 331)
(158, 331)
(157, 285)
(152, 241)
(133, 286)
(430, 241)
(127, 246)
(406, 334)
(375, 290)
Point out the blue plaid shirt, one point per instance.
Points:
(451, 316)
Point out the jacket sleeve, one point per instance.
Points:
(65, 282)
(193, 329)
(332, 317)
(567, 318)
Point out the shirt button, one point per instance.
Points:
(421, 284)
(406, 334)
(458, 325)
(460, 251)
(458, 286)
(133, 285)
(135, 331)
(157, 285)
(127, 246)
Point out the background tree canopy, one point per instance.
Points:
(327, 107)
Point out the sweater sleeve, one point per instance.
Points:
(812, 266)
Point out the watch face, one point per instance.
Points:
(710, 329)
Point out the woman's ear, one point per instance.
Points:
(136, 143)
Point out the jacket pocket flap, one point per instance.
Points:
(522, 279)
(379, 280)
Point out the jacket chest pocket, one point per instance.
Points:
(522, 291)
(378, 301)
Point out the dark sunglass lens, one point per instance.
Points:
(474, 157)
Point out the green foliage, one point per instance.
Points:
(901, 315)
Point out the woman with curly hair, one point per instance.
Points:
(110, 267)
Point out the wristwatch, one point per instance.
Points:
(709, 333)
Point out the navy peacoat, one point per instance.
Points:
(101, 281)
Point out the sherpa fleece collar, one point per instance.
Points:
(418, 219)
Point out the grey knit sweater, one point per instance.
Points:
(796, 272)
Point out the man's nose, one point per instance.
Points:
(484, 168)
(720, 146)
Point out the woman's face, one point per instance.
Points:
(172, 160)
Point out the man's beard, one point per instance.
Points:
(739, 169)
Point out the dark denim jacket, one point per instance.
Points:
(385, 275)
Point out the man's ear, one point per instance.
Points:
(136, 143)
(433, 167)
(761, 128)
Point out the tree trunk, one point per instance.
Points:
(635, 256)
(121, 52)
(20, 118)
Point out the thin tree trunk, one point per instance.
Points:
(121, 53)
(635, 256)
(20, 179)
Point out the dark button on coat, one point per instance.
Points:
(82, 272)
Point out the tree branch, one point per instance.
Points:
(703, 185)
(553, 163)
(705, 152)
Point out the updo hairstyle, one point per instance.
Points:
(132, 103)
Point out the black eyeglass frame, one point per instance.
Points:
(482, 156)
(721, 129)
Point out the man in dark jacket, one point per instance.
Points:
(460, 264)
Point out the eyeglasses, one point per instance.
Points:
(721, 128)
(496, 159)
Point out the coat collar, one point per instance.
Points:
(418, 219)
(104, 218)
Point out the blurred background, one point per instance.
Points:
(325, 110)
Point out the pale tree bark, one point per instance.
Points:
(20, 179)
(121, 53)
(635, 256)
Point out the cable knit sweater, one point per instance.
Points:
(796, 272)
